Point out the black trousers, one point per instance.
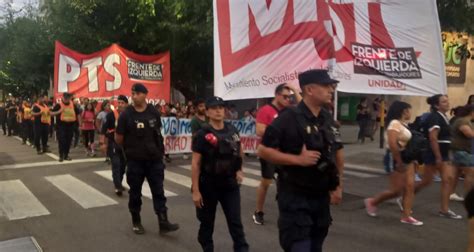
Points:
(65, 133)
(230, 203)
(12, 125)
(89, 136)
(4, 126)
(153, 171)
(77, 134)
(41, 136)
(303, 222)
(118, 164)
(27, 131)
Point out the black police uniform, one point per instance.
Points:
(303, 192)
(12, 124)
(65, 131)
(144, 149)
(114, 151)
(3, 119)
(218, 183)
(41, 131)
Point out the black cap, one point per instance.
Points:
(139, 88)
(316, 76)
(214, 101)
(67, 95)
(122, 98)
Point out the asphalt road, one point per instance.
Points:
(71, 206)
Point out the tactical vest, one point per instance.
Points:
(45, 115)
(224, 159)
(323, 176)
(26, 113)
(68, 114)
(143, 140)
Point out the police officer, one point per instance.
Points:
(216, 175)
(138, 131)
(305, 142)
(42, 121)
(108, 145)
(26, 123)
(67, 115)
(12, 111)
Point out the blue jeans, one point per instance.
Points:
(230, 202)
(153, 171)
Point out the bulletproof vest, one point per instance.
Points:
(143, 140)
(224, 158)
(323, 176)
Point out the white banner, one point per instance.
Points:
(370, 46)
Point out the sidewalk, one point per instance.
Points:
(367, 155)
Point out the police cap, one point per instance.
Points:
(214, 101)
(139, 88)
(316, 76)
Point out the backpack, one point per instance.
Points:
(415, 147)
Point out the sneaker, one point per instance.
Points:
(118, 192)
(417, 177)
(451, 215)
(61, 160)
(138, 229)
(412, 221)
(258, 218)
(369, 208)
(39, 152)
(437, 178)
(400, 203)
(455, 197)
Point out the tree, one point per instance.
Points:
(456, 15)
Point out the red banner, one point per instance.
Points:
(110, 72)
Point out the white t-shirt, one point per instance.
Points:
(403, 136)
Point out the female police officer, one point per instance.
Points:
(216, 175)
(138, 131)
(303, 142)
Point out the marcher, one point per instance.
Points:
(363, 119)
(3, 118)
(436, 157)
(216, 176)
(199, 120)
(108, 145)
(26, 123)
(265, 116)
(67, 114)
(88, 129)
(42, 122)
(306, 144)
(402, 179)
(139, 132)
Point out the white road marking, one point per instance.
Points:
(82, 193)
(107, 174)
(50, 163)
(178, 178)
(359, 174)
(247, 181)
(17, 202)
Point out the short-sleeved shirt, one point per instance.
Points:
(403, 133)
(88, 120)
(196, 125)
(284, 132)
(57, 107)
(267, 114)
(459, 141)
(437, 120)
(102, 117)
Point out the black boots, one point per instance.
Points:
(165, 225)
(137, 224)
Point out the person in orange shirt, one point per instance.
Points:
(26, 124)
(67, 115)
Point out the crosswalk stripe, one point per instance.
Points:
(247, 181)
(82, 193)
(359, 174)
(178, 178)
(107, 174)
(17, 202)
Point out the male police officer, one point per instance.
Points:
(138, 130)
(67, 114)
(42, 121)
(216, 175)
(107, 143)
(304, 142)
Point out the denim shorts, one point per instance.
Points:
(463, 159)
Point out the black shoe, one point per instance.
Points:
(61, 160)
(118, 192)
(165, 225)
(67, 158)
(39, 152)
(258, 218)
(137, 224)
(46, 150)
